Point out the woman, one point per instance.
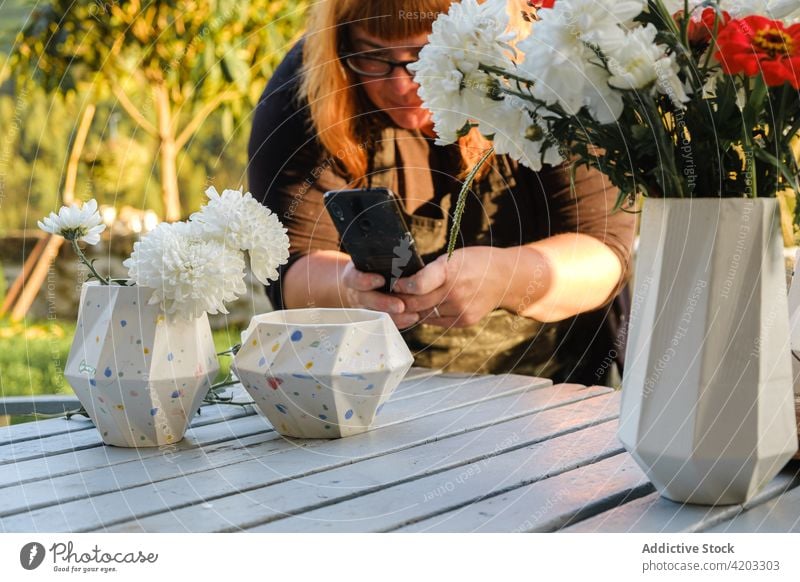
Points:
(537, 266)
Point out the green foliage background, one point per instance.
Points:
(33, 354)
(119, 165)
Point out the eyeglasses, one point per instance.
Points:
(374, 66)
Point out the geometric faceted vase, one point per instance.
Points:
(140, 375)
(321, 373)
(794, 335)
(707, 406)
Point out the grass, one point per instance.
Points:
(33, 355)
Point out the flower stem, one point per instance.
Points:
(213, 396)
(666, 18)
(85, 261)
(503, 73)
(664, 143)
(713, 43)
(462, 198)
(754, 104)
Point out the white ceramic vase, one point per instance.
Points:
(707, 404)
(321, 373)
(794, 332)
(140, 375)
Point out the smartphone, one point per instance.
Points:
(374, 232)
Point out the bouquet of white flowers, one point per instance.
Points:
(646, 91)
(196, 266)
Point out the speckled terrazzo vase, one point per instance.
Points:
(140, 375)
(321, 373)
(707, 404)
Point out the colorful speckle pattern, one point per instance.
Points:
(137, 400)
(334, 376)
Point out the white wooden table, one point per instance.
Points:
(450, 452)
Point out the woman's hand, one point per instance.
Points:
(458, 292)
(359, 290)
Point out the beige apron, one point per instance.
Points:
(501, 341)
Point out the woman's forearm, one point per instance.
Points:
(560, 276)
(549, 280)
(314, 280)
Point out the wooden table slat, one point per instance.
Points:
(547, 505)
(267, 503)
(449, 452)
(415, 378)
(429, 385)
(780, 513)
(58, 444)
(161, 496)
(654, 514)
(397, 506)
(28, 431)
(60, 454)
(492, 386)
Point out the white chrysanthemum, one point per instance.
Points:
(640, 63)
(189, 275)
(243, 223)
(514, 133)
(565, 71)
(75, 223)
(452, 85)
(598, 22)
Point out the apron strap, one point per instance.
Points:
(382, 172)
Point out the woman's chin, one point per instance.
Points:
(411, 119)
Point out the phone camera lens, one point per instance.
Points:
(336, 210)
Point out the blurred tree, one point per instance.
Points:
(170, 65)
(3, 284)
(47, 54)
(63, 56)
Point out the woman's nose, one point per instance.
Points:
(401, 81)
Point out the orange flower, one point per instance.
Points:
(755, 44)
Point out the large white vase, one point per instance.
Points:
(140, 375)
(794, 332)
(321, 373)
(707, 401)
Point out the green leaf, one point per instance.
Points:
(784, 170)
(234, 69)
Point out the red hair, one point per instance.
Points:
(334, 100)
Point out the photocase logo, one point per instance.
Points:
(31, 555)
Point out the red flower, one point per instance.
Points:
(541, 3)
(700, 29)
(755, 44)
